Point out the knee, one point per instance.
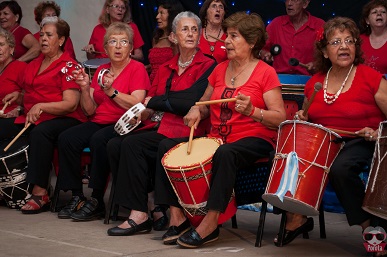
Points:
(113, 146)
(223, 151)
(340, 173)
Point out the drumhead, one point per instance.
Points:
(202, 150)
(309, 124)
(95, 63)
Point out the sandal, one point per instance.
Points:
(38, 204)
(162, 222)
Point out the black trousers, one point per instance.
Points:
(132, 159)
(344, 177)
(71, 144)
(226, 162)
(8, 129)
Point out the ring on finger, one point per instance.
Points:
(296, 117)
(371, 137)
(238, 105)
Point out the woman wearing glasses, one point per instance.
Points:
(113, 11)
(347, 83)
(124, 86)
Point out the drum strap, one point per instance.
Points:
(167, 89)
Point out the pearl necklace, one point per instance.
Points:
(187, 63)
(329, 99)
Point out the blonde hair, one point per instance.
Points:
(104, 18)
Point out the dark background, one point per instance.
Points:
(144, 11)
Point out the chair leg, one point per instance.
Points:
(321, 220)
(261, 224)
(110, 204)
(234, 222)
(281, 232)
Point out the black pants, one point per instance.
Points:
(132, 160)
(8, 129)
(344, 178)
(227, 160)
(71, 144)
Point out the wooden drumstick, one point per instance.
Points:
(220, 40)
(189, 148)
(216, 101)
(18, 135)
(317, 87)
(339, 131)
(5, 106)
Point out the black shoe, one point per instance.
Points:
(173, 232)
(192, 239)
(90, 210)
(146, 226)
(162, 222)
(72, 206)
(289, 236)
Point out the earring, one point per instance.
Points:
(175, 41)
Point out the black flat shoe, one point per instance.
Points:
(192, 239)
(90, 210)
(173, 232)
(72, 206)
(162, 222)
(146, 226)
(289, 235)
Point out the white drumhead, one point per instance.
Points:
(202, 149)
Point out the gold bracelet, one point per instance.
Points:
(261, 116)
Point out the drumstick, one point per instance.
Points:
(216, 101)
(221, 40)
(94, 52)
(190, 140)
(5, 106)
(317, 87)
(18, 135)
(339, 131)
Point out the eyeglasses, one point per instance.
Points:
(337, 42)
(116, 6)
(114, 42)
(378, 236)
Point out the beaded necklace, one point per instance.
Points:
(212, 47)
(187, 63)
(330, 99)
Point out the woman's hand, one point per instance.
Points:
(243, 104)
(108, 80)
(34, 114)
(300, 115)
(89, 49)
(10, 98)
(368, 133)
(81, 78)
(192, 118)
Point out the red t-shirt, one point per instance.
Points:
(375, 58)
(353, 109)
(295, 44)
(99, 32)
(19, 33)
(172, 125)
(219, 53)
(67, 48)
(133, 77)
(46, 87)
(230, 125)
(11, 80)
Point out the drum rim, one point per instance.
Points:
(25, 147)
(310, 124)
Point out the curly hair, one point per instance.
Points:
(364, 27)
(204, 8)
(174, 7)
(9, 38)
(104, 18)
(323, 64)
(42, 7)
(251, 27)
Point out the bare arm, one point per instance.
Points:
(33, 46)
(138, 55)
(381, 96)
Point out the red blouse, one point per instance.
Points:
(11, 80)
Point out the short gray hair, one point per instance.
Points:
(186, 14)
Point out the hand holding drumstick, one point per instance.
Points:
(317, 87)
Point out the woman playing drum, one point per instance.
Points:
(247, 127)
(353, 99)
(132, 158)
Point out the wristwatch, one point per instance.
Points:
(115, 93)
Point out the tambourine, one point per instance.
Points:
(123, 126)
(100, 77)
(69, 68)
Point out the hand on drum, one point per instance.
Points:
(243, 104)
(192, 118)
(368, 133)
(300, 116)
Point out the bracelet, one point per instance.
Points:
(261, 116)
(252, 111)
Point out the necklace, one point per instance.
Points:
(212, 47)
(329, 99)
(15, 28)
(187, 63)
(234, 78)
